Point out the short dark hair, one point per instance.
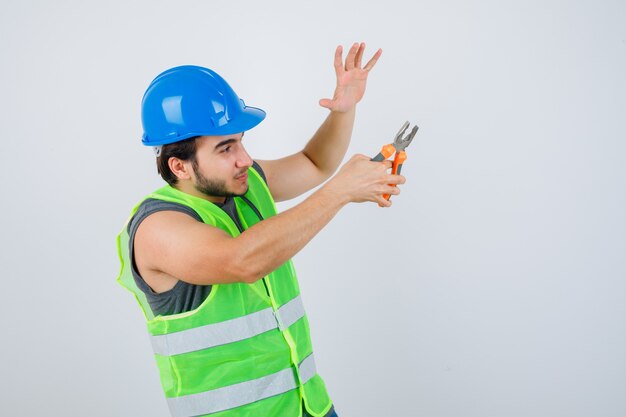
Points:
(184, 150)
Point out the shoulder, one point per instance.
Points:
(152, 205)
(258, 169)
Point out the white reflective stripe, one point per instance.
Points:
(228, 331)
(236, 395)
(216, 334)
(307, 369)
(290, 313)
(233, 395)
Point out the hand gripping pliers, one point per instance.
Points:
(398, 146)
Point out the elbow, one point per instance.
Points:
(250, 259)
(324, 169)
(232, 263)
(254, 272)
(251, 278)
(247, 271)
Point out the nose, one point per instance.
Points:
(243, 159)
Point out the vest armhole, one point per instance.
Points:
(147, 208)
(259, 170)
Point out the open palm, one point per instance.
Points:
(351, 78)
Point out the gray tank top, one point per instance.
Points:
(184, 296)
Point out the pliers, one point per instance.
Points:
(398, 146)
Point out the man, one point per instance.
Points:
(208, 257)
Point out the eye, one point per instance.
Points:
(226, 149)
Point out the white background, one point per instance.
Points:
(493, 287)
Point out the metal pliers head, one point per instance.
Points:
(401, 142)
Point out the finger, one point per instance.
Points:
(373, 61)
(382, 202)
(327, 103)
(338, 60)
(395, 179)
(359, 55)
(351, 56)
(391, 190)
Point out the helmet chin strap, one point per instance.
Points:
(157, 150)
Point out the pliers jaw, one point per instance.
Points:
(401, 142)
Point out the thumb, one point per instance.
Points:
(326, 102)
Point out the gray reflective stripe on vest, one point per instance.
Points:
(236, 395)
(228, 331)
(289, 313)
(307, 369)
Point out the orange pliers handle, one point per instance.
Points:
(386, 152)
(396, 168)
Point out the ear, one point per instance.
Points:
(180, 168)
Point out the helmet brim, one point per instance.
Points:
(247, 119)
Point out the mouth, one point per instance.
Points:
(242, 177)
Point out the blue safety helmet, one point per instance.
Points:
(189, 101)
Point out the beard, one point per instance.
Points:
(213, 187)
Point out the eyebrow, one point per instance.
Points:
(227, 141)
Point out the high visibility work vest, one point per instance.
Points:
(246, 350)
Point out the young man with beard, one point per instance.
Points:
(208, 257)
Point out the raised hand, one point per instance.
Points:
(351, 78)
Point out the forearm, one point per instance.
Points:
(270, 243)
(328, 146)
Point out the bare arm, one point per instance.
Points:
(324, 152)
(171, 246)
(293, 175)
